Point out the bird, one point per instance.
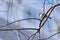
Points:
(42, 15)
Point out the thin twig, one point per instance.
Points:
(49, 2)
(44, 16)
(21, 20)
(32, 35)
(17, 34)
(11, 29)
(50, 36)
(23, 33)
(44, 6)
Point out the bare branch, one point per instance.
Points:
(52, 8)
(23, 33)
(32, 35)
(44, 16)
(17, 34)
(44, 6)
(49, 2)
(10, 29)
(21, 20)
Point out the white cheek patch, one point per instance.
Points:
(41, 15)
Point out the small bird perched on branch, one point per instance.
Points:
(42, 15)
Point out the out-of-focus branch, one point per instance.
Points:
(1, 2)
(17, 34)
(32, 35)
(49, 2)
(19, 1)
(23, 33)
(20, 20)
(44, 6)
(50, 36)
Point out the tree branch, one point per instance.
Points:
(52, 8)
(21, 20)
(10, 29)
(50, 36)
(32, 35)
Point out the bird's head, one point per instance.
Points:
(40, 14)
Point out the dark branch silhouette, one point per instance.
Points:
(21, 20)
(11, 29)
(42, 24)
(51, 8)
(32, 35)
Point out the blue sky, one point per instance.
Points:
(20, 11)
